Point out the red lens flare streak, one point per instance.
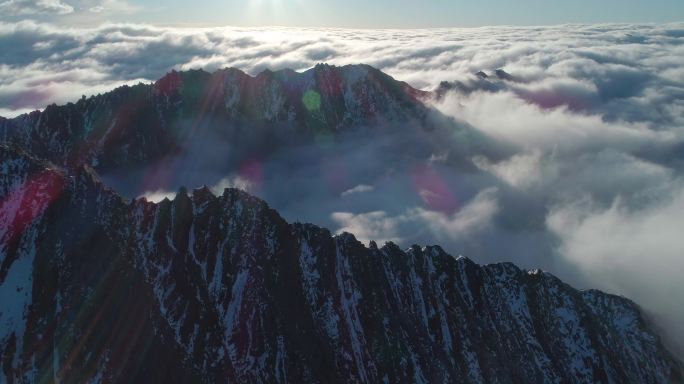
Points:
(26, 203)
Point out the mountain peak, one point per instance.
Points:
(143, 123)
(503, 75)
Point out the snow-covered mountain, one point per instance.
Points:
(206, 288)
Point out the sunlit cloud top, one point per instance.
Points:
(583, 64)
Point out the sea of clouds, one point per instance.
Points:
(585, 180)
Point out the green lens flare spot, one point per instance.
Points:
(311, 100)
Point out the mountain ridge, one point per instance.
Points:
(144, 122)
(258, 299)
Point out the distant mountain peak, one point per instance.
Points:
(503, 75)
(145, 122)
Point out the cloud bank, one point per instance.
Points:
(68, 10)
(571, 160)
(590, 67)
(29, 7)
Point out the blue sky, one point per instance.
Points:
(405, 13)
(344, 13)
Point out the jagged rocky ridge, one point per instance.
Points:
(209, 288)
(134, 125)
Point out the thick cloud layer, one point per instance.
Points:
(571, 160)
(578, 66)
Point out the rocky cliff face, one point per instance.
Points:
(204, 288)
(138, 124)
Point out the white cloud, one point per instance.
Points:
(505, 116)
(66, 11)
(114, 6)
(476, 215)
(31, 7)
(361, 188)
(376, 225)
(233, 182)
(634, 252)
(158, 195)
(520, 171)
